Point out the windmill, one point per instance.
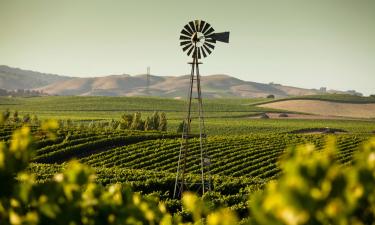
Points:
(198, 40)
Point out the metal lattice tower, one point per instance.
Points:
(148, 81)
(197, 39)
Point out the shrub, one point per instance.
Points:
(283, 115)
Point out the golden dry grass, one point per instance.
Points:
(325, 108)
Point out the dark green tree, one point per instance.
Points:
(15, 117)
(127, 120)
(155, 120)
(6, 115)
(26, 118)
(163, 122)
(114, 124)
(69, 123)
(35, 120)
(148, 124)
(180, 127)
(137, 123)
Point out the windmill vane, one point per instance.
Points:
(198, 40)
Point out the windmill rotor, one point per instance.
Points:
(198, 38)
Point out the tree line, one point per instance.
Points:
(14, 117)
(157, 121)
(21, 93)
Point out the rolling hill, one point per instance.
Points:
(214, 86)
(14, 78)
(169, 86)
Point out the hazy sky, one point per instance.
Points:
(305, 43)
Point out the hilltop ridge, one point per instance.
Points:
(214, 86)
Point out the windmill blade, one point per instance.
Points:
(206, 28)
(190, 50)
(182, 37)
(223, 37)
(185, 33)
(209, 31)
(207, 49)
(186, 47)
(204, 53)
(196, 24)
(201, 25)
(187, 27)
(209, 45)
(185, 43)
(192, 26)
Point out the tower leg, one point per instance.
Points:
(180, 182)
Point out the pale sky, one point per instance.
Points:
(304, 43)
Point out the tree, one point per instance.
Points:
(35, 120)
(6, 114)
(155, 120)
(283, 115)
(26, 118)
(92, 124)
(137, 123)
(114, 124)
(270, 96)
(180, 127)
(69, 123)
(3, 92)
(148, 124)
(163, 122)
(127, 120)
(15, 117)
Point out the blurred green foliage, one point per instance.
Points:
(313, 189)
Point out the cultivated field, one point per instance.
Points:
(244, 150)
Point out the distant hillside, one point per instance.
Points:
(14, 78)
(169, 86)
(215, 86)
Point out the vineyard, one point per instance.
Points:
(146, 161)
(244, 152)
